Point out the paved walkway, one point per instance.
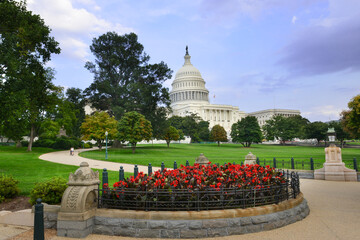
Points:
(334, 211)
(64, 157)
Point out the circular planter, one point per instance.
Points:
(199, 224)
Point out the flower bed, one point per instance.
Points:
(201, 187)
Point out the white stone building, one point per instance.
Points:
(189, 95)
(264, 115)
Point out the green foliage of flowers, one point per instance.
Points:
(8, 187)
(50, 191)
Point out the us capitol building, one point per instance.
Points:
(189, 95)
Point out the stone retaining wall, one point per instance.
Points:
(180, 224)
(147, 228)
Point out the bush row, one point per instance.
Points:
(50, 191)
(63, 143)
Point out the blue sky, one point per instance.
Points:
(254, 54)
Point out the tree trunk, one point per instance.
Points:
(32, 133)
(249, 144)
(218, 143)
(168, 143)
(133, 148)
(18, 143)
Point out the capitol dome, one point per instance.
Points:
(188, 84)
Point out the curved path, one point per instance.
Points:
(334, 209)
(64, 157)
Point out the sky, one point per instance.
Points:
(254, 54)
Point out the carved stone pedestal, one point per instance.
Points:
(334, 169)
(78, 204)
(250, 159)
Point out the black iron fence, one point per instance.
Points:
(196, 200)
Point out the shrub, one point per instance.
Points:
(50, 191)
(24, 143)
(49, 143)
(8, 187)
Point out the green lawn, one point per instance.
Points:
(155, 154)
(28, 169)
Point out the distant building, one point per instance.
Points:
(189, 95)
(264, 115)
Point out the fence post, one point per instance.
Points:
(175, 165)
(121, 174)
(162, 167)
(149, 169)
(311, 164)
(187, 163)
(105, 178)
(136, 171)
(257, 161)
(242, 163)
(39, 220)
(292, 163)
(274, 162)
(355, 165)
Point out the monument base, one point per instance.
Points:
(335, 172)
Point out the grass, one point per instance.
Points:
(155, 154)
(28, 169)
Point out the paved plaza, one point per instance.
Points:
(334, 210)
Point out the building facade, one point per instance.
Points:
(189, 95)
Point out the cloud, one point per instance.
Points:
(73, 27)
(232, 9)
(293, 20)
(327, 45)
(326, 113)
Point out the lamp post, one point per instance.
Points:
(106, 152)
(331, 135)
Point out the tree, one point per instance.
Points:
(171, 134)
(298, 124)
(281, 128)
(350, 119)
(25, 47)
(75, 96)
(218, 134)
(204, 132)
(246, 131)
(124, 81)
(133, 127)
(341, 134)
(316, 130)
(95, 126)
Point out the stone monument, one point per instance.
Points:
(202, 160)
(334, 169)
(78, 204)
(250, 159)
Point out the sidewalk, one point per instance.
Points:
(334, 210)
(64, 157)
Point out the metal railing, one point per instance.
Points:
(196, 200)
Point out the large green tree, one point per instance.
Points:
(124, 81)
(190, 125)
(76, 98)
(25, 47)
(133, 128)
(316, 130)
(246, 131)
(351, 118)
(95, 126)
(218, 134)
(282, 128)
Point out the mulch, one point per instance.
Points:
(15, 204)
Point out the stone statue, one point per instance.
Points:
(187, 50)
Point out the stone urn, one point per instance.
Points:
(250, 159)
(202, 160)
